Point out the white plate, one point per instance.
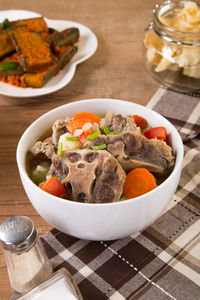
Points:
(86, 47)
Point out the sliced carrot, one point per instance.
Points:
(87, 115)
(156, 132)
(138, 182)
(53, 186)
(77, 124)
(140, 121)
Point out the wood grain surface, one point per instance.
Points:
(116, 70)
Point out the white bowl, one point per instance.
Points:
(104, 221)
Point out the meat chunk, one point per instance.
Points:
(94, 176)
(119, 123)
(134, 150)
(58, 129)
(130, 125)
(107, 120)
(45, 147)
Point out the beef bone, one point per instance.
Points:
(94, 176)
(132, 150)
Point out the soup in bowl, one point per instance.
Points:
(111, 175)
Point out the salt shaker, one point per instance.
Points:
(27, 262)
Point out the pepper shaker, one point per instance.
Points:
(27, 262)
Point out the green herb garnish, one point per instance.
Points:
(60, 149)
(93, 135)
(76, 48)
(9, 65)
(116, 132)
(71, 138)
(39, 180)
(6, 24)
(106, 130)
(99, 147)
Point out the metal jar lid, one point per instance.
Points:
(17, 233)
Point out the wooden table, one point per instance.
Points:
(116, 70)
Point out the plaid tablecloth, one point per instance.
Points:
(163, 261)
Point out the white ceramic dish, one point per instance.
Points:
(100, 221)
(86, 48)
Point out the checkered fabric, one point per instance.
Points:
(163, 261)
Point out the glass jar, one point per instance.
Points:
(172, 45)
(27, 262)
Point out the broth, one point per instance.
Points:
(32, 161)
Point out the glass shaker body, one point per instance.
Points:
(28, 269)
(172, 46)
(27, 262)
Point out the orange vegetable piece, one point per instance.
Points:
(138, 182)
(54, 187)
(87, 115)
(156, 132)
(140, 121)
(77, 124)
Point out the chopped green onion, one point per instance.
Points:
(71, 138)
(116, 132)
(93, 135)
(87, 147)
(9, 65)
(6, 24)
(60, 149)
(106, 130)
(99, 147)
(39, 180)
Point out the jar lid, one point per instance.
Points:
(17, 233)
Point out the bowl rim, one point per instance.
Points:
(177, 166)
